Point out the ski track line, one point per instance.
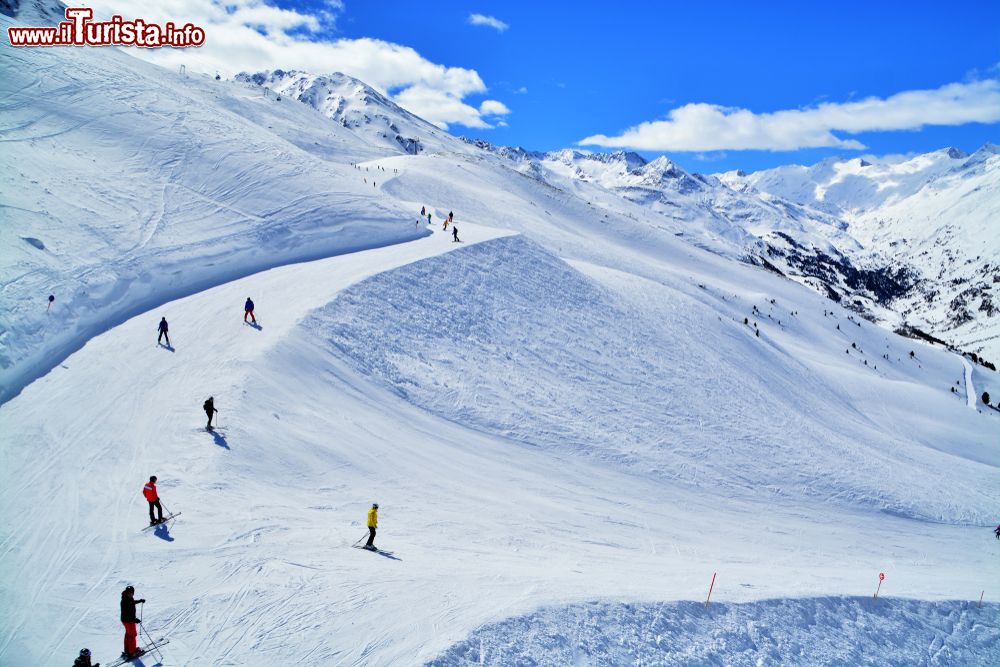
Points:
(57, 133)
(970, 390)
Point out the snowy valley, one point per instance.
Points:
(624, 380)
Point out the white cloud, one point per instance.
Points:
(710, 127)
(251, 35)
(522, 90)
(490, 21)
(493, 108)
(443, 107)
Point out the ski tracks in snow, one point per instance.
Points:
(970, 390)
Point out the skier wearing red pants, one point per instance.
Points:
(130, 620)
(248, 311)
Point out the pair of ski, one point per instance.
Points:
(145, 650)
(161, 523)
(374, 550)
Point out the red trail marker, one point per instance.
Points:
(881, 578)
(711, 586)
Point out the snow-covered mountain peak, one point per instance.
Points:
(631, 160)
(987, 153)
(358, 107)
(622, 161)
(664, 169)
(513, 153)
(315, 87)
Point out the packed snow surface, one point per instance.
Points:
(810, 631)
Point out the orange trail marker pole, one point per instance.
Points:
(881, 578)
(711, 586)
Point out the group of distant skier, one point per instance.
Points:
(129, 617)
(450, 220)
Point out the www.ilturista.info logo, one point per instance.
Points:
(79, 30)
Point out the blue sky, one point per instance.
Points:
(599, 67)
(732, 78)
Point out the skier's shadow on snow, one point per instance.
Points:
(162, 532)
(389, 555)
(254, 325)
(220, 439)
(168, 347)
(140, 663)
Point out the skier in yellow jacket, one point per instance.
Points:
(372, 525)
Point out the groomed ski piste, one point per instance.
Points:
(566, 422)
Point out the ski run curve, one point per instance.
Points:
(325, 409)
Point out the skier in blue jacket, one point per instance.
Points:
(248, 310)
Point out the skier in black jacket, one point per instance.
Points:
(163, 329)
(130, 620)
(209, 408)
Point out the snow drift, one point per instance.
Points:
(811, 631)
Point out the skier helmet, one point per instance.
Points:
(85, 653)
(374, 506)
(129, 590)
(152, 478)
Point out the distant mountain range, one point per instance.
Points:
(931, 221)
(913, 242)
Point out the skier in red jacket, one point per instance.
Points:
(149, 491)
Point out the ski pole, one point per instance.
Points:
(152, 645)
(142, 629)
(359, 541)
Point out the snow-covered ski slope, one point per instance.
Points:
(565, 420)
(329, 407)
(380, 396)
(126, 185)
